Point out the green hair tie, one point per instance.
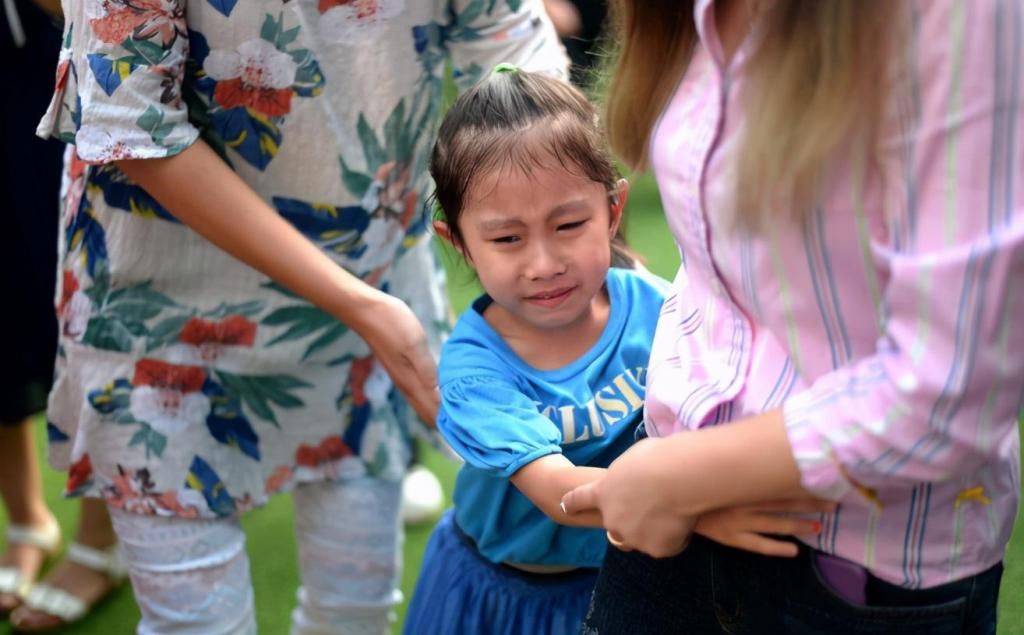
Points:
(505, 67)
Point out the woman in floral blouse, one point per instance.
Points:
(244, 219)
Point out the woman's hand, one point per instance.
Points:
(635, 499)
(748, 527)
(653, 494)
(51, 7)
(399, 343)
(565, 16)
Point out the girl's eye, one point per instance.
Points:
(571, 226)
(505, 240)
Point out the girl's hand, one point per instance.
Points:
(745, 526)
(635, 499)
(399, 343)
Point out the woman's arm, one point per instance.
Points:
(546, 480)
(653, 494)
(941, 394)
(205, 194)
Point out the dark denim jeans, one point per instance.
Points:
(714, 589)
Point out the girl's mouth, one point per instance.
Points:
(552, 298)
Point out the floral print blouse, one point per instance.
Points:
(188, 383)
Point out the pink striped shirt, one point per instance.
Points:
(890, 327)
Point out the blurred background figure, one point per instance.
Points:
(271, 326)
(580, 24)
(29, 191)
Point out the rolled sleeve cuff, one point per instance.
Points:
(820, 470)
(526, 459)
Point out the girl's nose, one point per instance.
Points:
(544, 263)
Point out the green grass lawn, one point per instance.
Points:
(272, 548)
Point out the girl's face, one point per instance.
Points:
(541, 243)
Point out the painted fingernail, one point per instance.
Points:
(562, 505)
(816, 527)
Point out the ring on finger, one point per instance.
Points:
(618, 544)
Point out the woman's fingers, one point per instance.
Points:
(425, 401)
(400, 344)
(581, 499)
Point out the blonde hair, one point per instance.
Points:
(818, 78)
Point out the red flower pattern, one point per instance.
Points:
(364, 8)
(80, 473)
(67, 289)
(141, 19)
(331, 448)
(234, 93)
(360, 372)
(62, 74)
(278, 478)
(233, 330)
(153, 372)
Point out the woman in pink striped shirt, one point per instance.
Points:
(845, 182)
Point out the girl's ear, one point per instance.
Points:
(442, 229)
(618, 204)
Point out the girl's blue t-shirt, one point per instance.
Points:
(499, 414)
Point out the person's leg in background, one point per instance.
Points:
(91, 570)
(22, 491)
(30, 183)
(190, 576)
(349, 540)
(30, 193)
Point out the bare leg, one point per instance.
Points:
(21, 486)
(94, 530)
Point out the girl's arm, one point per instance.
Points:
(205, 194)
(549, 478)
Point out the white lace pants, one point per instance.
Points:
(191, 577)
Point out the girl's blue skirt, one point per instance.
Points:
(459, 592)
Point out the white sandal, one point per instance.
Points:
(46, 539)
(61, 604)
